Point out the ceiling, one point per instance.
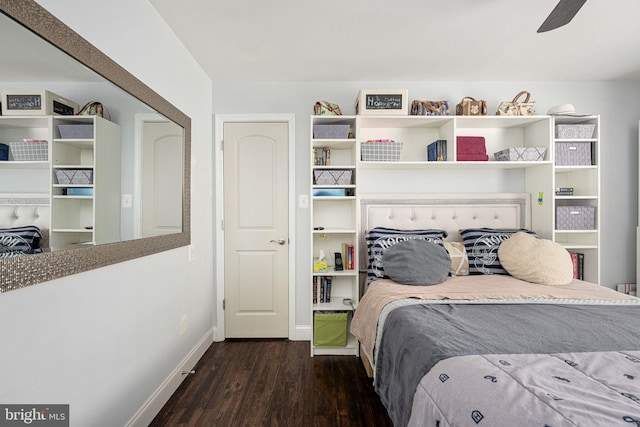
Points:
(406, 40)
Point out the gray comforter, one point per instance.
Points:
(415, 338)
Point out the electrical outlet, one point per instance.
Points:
(183, 325)
(192, 254)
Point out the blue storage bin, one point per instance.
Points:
(4, 152)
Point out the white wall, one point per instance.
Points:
(104, 341)
(615, 102)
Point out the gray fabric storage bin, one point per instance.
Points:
(573, 153)
(575, 218)
(575, 131)
(330, 131)
(76, 131)
(332, 177)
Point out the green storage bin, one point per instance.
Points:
(330, 329)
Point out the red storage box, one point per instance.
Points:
(471, 148)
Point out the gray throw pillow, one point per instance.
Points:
(416, 262)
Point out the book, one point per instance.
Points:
(577, 260)
(437, 151)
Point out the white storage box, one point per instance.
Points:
(575, 218)
(76, 131)
(330, 131)
(575, 131)
(382, 102)
(380, 151)
(37, 151)
(74, 176)
(573, 153)
(332, 177)
(36, 103)
(521, 154)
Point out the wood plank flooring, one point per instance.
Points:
(273, 383)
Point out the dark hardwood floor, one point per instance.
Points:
(274, 383)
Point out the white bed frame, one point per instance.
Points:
(20, 209)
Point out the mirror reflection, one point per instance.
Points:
(69, 180)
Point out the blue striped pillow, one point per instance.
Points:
(20, 239)
(482, 246)
(380, 239)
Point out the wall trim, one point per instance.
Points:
(160, 397)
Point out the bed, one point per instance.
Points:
(24, 224)
(490, 348)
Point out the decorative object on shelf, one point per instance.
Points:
(95, 108)
(320, 263)
(324, 108)
(338, 266)
(30, 151)
(471, 148)
(564, 110)
(521, 154)
(382, 102)
(564, 191)
(333, 131)
(517, 108)
(381, 151)
(429, 108)
(471, 107)
(36, 103)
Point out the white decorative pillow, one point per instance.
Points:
(459, 260)
(535, 260)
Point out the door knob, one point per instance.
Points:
(280, 241)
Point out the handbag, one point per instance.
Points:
(324, 108)
(515, 108)
(471, 107)
(429, 108)
(94, 108)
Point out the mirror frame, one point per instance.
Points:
(24, 271)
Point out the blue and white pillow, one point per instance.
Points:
(380, 239)
(20, 240)
(482, 246)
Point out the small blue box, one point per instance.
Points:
(80, 191)
(4, 152)
(330, 192)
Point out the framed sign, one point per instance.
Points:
(36, 102)
(382, 101)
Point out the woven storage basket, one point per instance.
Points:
(332, 177)
(575, 131)
(74, 176)
(573, 153)
(575, 217)
(330, 131)
(381, 151)
(521, 154)
(29, 151)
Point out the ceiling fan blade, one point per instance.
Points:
(561, 15)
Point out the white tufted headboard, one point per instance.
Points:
(450, 212)
(20, 209)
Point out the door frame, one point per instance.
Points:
(219, 121)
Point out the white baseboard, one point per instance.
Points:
(154, 404)
(302, 333)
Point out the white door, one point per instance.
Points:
(256, 230)
(161, 178)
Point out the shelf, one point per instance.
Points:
(335, 231)
(335, 305)
(343, 273)
(452, 165)
(333, 198)
(352, 349)
(73, 197)
(13, 164)
(72, 230)
(76, 142)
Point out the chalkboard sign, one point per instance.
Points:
(23, 102)
(62, 109)
(383, 102)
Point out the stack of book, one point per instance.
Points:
(321, 156)
(348, 256)
(564, 191)
(578, 265)
(321, 289)
(437, 151)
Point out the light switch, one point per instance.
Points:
(303, 201)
